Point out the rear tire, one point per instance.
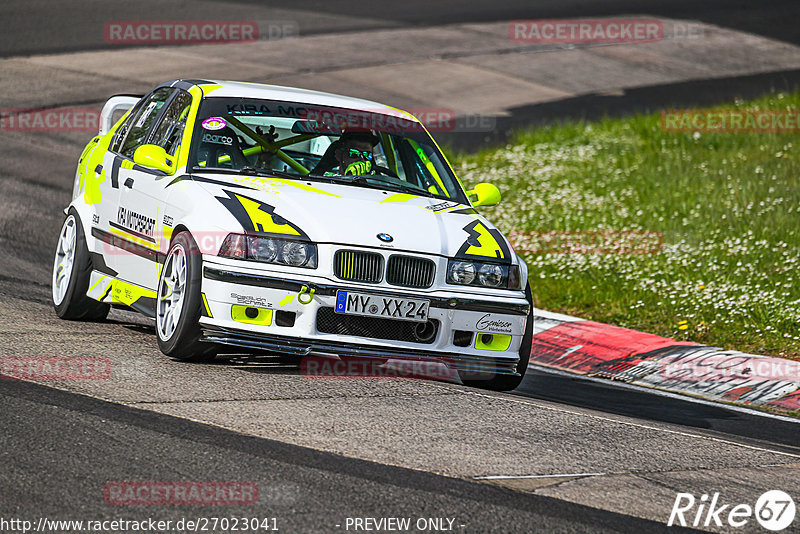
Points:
(72, 268)
(178, 302)
(497, 382)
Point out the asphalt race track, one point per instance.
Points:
(421, 446)
(306, 490)
(560, 454)
(45, 27)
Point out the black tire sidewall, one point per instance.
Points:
(527, 338)
(70, 305)
(508, 382)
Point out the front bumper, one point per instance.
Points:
(305, 347)
(227, 287)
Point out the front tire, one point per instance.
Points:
(496, 382)
(72, 268)
(178, 302)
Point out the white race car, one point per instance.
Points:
(290, 221)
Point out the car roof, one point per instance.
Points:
(291, 94)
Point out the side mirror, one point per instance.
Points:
(484, 194)
(152, 157)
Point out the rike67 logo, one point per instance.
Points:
(774, 510)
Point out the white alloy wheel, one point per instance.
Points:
(65, 259)
(171, 292)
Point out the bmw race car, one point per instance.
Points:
(275, 219)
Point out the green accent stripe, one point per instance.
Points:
(205, 303)
(398, 197)
(97, 283)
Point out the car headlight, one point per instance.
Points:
(294, 253)
(261, 249)
(491, 275)
(268, 250)
(461, 272)
(471, 273)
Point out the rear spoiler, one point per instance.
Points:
(115, 103)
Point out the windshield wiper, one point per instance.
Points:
(266, 172)
(365, 178)
(198, 168)
(250, 170)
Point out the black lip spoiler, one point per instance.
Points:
(304, 347)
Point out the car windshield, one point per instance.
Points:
(303, 141)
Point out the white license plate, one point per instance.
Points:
(351, 303)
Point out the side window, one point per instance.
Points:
(119, 135)
(169, 132)
(142, 122)
(390, 153)
(420, 162)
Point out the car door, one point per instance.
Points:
(143, 194)
(101, 191)
(133, 221)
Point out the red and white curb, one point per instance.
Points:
(594, 349)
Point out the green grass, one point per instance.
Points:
(727, 205)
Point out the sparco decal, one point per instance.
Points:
(137, 222)
(218, 139)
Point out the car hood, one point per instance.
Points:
(353, 215)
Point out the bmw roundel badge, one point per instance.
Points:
(386, 238)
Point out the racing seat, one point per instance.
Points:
(221, 148)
